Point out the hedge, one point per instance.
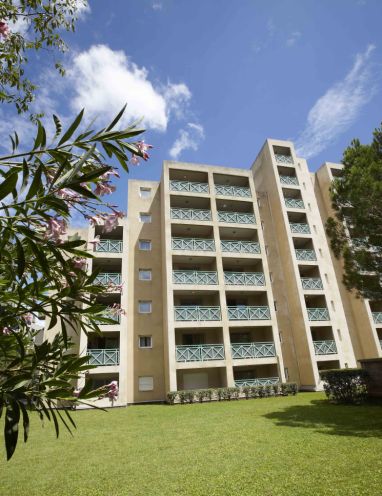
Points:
(345, 385)
(231, 393)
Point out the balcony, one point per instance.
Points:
(108, 278)
(236, 217)
(244, 278)
(377, 317)
(252, 350)
(200, 353)
(289, 180)
(193, 244)
(104, 357)
(196, 313)
(327, 347)
(233, 246)
(314, 283)
(248, 313)
(190, 214)
(317, 314)
(259, 381)
(116, 318)
(237, 191)
(109, 246)
(283, 159)
(299, 228)
(189, 186)
(294, 203)
(305, 255)
(194, 277)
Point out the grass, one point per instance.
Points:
(273, 446)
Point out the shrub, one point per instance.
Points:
(268, 390)
(261, 391)
(284, 389)
(276, 389)
(246, 390)
(190, 396)
(292, 388)
(220, 393)
(209, 393)
(255, 391)
(182, 396)
(345, 385)
(171, 397)
(200, 395)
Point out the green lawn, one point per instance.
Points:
(273, 446)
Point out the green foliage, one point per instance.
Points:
(246, 391)
(171, 397)
(345, 385)
(356, 232)
(45, 22)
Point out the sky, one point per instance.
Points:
(213, 79)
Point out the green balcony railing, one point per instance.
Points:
(109, 246)
(311, 283)
(259, 381)
(238, 191)
(318, 314)
(305, 255)
(299, 228)
(244, 278)
(248, 313)
(327, 347)
(104, 357)
(193, 244)
(194, 277)
(283, 159)
(233, 246)
(200, 353)
(236, 217)
(377, 317)
(189, 186)
(106, 278)
(110, 315)
(196, 313)
(294, 203)
(289, 180)
(252, 350)
(190, 214)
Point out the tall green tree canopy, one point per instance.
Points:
(356, 231)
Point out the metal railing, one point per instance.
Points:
(318, 314)
(259, 381)
(104, 357)
(289, 180)
(200, 352)
(305, 255)
(109, 246)
(236, 217)
(196, 313)
(194, 277)
(327, 347)
(190, 214)
(377, 317)
(252, 350)
(106, 278)
(244, 278)
(233, 246)
(189, 186)
(294, 203)
(110, 315)
(238, 191)
(283, 159)
(299, 227)
(311, 283)
(248, 313)
(193, 244)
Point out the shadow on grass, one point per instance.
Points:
(339, 420)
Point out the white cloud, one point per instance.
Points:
(104, 80)
(293, 38)
(335, 111)
(157, 6)
(188, 139)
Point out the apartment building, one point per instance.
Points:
(227, 278)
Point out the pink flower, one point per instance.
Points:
(134, 160)
(76, 392)
(4, 29)
(143, 147)
(104, 188)
(111, 221)
(116, 309)
(111, 172)
(113, 391)
(68, 194)
(96, 241)
(54, 229)
(95, 220)
(6, 331)
(28, 318)
(79, 263)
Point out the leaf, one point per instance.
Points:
(40, 140)
(11, 428)
(25, 420)
(116, 119)
(36, 184)
(58, 125)
(20, 258)
(72, 128)
(8, 185)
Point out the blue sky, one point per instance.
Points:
(214, 78)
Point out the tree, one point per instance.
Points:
(42, 25)
(43, 273)
(356, 231)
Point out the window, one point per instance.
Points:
(145, 274)
(145, 244)
(146, 383)
(144, 192)
(145, 342)
(286, 372)
(145, 218)
(144, 306)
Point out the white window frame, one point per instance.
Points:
(146, 215)
(146, 383)
(145, 241)
(144, 192)
(145, 347)
(143, 271)
(145, 301)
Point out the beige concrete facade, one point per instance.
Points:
(227, 278)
